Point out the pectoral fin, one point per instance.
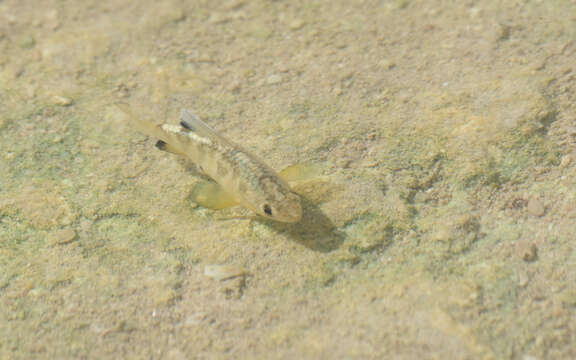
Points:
(212, 196)
(300, 172)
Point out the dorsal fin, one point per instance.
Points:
(191, 122)
(186, 126)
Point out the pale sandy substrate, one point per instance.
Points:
(443, 226)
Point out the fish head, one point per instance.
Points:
(279, 203)
(288, 210)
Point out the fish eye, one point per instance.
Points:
(267, 210)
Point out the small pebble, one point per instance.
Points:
(61, 237)
(296, 24)
(61, 100)
(386, 64)
(223, 272)
(219, 18)
(565, 161)
(523, 279)
(535, 207)
(527, 251)
(368, 163)
(195, 319)
(234, 86)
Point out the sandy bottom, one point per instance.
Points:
(442, 226)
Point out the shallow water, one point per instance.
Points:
(441, 227)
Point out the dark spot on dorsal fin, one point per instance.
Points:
(161, 145)
(186, 125)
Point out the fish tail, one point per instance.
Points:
(164, 146)
(143, 125)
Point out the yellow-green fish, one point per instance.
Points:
(241, 177)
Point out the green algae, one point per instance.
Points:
(409, 239)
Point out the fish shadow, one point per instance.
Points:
(315, 231)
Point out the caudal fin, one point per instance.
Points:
(164, 146)
(143, 125)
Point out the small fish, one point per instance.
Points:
(240, 176)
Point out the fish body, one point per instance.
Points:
(242, 177)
